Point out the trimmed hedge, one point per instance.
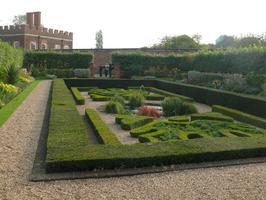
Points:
(162, 153)
(211, 116)
(241, 116)
(178, 119)
(96, 97)
(104, 133)
(241, 60)
(61, 73)
(66, 127)
(129, 122)
(59, 60)
(78, 96)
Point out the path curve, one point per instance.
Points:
(18, 143)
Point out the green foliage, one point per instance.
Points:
(255, 79)
(10, 60)
(119, 99)
(136, 100)
(241, 116)
(243, 60)
(211, 116)
(12, 74)
(177, 42)
(173, 130)
(173, 106)
(9, 108)
(66, 127)
(114, 107)
(179, 119)
(103, 132)
(78, 96)
(56, 60)
(129, 122)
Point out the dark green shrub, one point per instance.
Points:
(61, 73)
(12, 74)
(136, 100)
(188, 108)
(255, 79)
(114, 107)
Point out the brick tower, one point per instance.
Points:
(33, 35)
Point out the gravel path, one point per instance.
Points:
(19, 141)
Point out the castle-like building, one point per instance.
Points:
(33, 35)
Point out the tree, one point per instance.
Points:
(19, 19)
(99, 39)
(179, 42)
(225, 41)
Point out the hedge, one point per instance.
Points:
(66, 127)
(211, 116)
(77, 96)
(61, 73)
(242, 60)
(104, 133)
(163, 153)
(129, 122)
(51, 60)
(241, 116)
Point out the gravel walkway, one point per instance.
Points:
(19, 141)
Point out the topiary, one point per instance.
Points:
(136, 100)
(188, 108)
(114, 107)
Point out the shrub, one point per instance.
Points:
(136, 100)
(77, 95)
(188, 108)
(149, 111)
(61, 73)
(104, 133)
(255, 79)
(12, 74)
(211, 116)
(114, 107)
(129, 122)
(118, 99)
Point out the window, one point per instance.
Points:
(66, 47)
(16, 44)
(57, 46)
(33, 45)
(44, 46)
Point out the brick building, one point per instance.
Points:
(33, 35)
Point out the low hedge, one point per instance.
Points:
(162, 153)
(77, 96)
(178, 119)
(211, 116)
(96, 97)
(155, 97)
(66, 127)
(129, 122)
(104, 134)
(241, 116)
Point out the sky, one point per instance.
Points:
(139, 23)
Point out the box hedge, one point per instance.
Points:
(77, 96)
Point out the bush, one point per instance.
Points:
(118, 99)
(104, 133)
(188, 108)
(241, 116)
(114, 107)
(255, 80)
(136, 100)
(77, 95)
(129, 122)
(211, 116)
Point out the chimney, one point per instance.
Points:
(29, 18)
(37, 19)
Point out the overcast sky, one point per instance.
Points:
(138, 23)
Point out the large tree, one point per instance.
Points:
(99, 39)
(179, 42)
(225, 41)
(19, 19)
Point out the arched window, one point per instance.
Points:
(66, 47)
(16, 44)
(57, 46)
(44, 46)
(33, 45)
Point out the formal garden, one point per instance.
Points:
(111, 127)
